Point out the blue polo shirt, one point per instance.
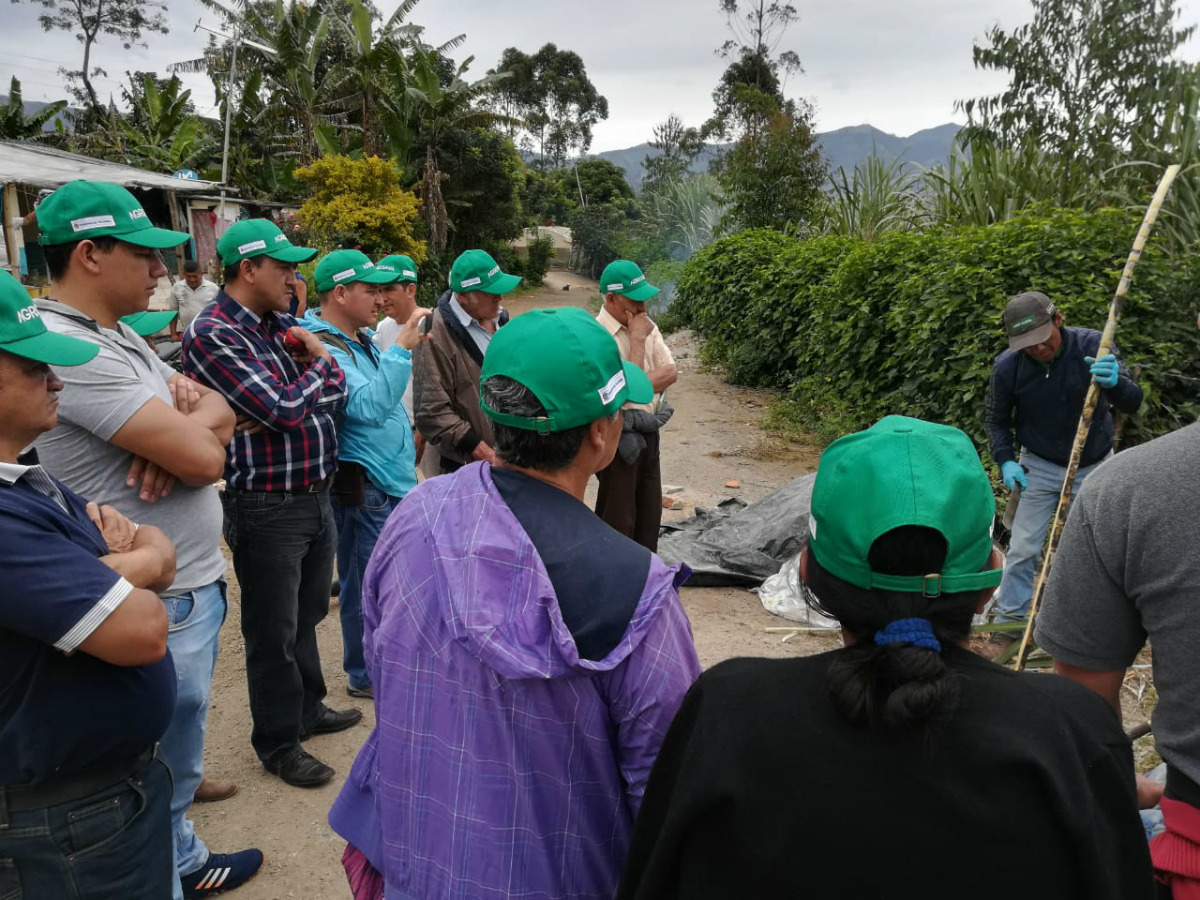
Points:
(61, 710)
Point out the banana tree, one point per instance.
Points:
(160, 133)
(16, 125)
(438, 108)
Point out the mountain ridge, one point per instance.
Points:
(844, 147)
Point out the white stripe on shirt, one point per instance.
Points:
(95, 617)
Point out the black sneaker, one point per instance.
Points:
(300, 769)
(332, 720)
(221, 872)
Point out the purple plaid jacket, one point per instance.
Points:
(234, 352)
(501, 765)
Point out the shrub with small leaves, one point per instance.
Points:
(910, 323)
(359, 202)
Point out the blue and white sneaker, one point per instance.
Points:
(222, 872)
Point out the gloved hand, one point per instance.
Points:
(1013, 474)
(1105, 370)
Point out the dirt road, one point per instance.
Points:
(713, 438)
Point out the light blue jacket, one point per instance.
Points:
(375, 432)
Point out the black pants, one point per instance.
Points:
(630, 496)
(283, 553)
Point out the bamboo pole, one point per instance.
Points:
(1089, 410)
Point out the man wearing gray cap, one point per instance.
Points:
(1036, 394)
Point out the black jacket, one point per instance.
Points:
(1042, 403)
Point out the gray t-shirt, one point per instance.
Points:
(98, 398)
(1128, 568)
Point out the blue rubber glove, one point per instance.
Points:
(1105, 370)
(1013, 474)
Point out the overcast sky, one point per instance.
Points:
(896, 64)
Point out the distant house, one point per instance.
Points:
(29, 172)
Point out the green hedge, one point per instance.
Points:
(910, 323)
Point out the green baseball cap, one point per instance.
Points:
(476, 270)
(347, 267)
(626, 278)
(904, 471)
(258, 237)
(81, 210)
(572, 365)
(23, 333)
(150, 322)
(403, 266)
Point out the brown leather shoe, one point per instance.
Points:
(213, 789)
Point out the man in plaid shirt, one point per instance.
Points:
(278, 521)
(527, 658)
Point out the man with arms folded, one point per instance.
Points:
(630, 494)
(527, 659)
(86, 684)
(278, 521)
(376, 461)
(136, 434)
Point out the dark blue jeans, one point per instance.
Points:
(115, 844)
(358, 529)
(283, 547)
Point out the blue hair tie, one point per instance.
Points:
(918, 632)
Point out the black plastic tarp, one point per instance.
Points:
(740, 544)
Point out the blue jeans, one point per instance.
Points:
(358, 529)
(112, 845)
(1034, 515)
(283, 548)
(193, 637)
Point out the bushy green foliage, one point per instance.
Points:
(359, 202)
(910, 323)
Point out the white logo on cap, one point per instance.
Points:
(493, 272)
(615, 287)
(253, 245)
(471, 282)
(93, 222)
(343, 275)
(383, 268)
(637, 280)
(409, 274)
(28, 313)
(138, 213)
(280, 238)
(614, 386)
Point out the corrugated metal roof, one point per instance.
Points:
(49, 168)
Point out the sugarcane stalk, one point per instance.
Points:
(1089, 410)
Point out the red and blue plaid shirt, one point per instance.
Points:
(241, 356)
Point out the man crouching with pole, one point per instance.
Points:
(1037, 389)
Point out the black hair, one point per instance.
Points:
(191, 266)
(231, 271)
(521, 447)
(897, 686)
(58, 256)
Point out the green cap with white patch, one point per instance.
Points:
(571, 364)
(399, 264)
(82, 210)
(476, 270)
(23, 333)
(625, 278)
(347, 267)
(259, 237)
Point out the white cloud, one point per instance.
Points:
(897, 65)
